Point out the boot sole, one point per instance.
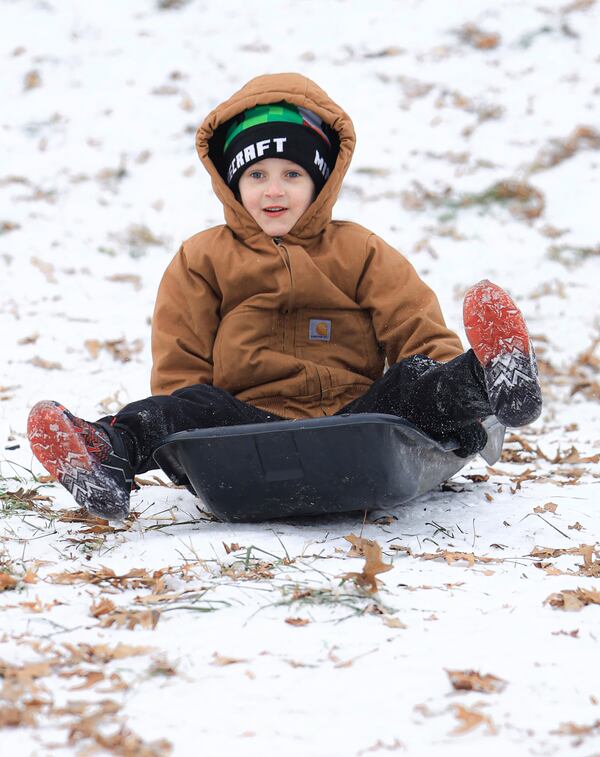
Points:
(60, 448)
(498, 335)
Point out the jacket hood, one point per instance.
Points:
(273, 88)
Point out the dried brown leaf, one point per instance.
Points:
(386, 52)
(384, 520)
(297, 621)
(12, 716)
(102, 607)
(470, 719)
(136, 578)
(47, 269)
(38, 606)
(7, 581)
(549, 569)
(471, 680)
(497, 472)
(559, 150)
(379, 745)
(123, 742)
(154, 481)
(165, 89)
(519, 439)
(571, 456)
(233, 547)
(130, 619)
(256, 572)
(221, 660)
(393, 622)
(358, 544)
(102, 653)
(476, 37)
(587, 552)
(32, 80)
(31, 339)
(47, 365)
(523, 200)
(572, 729)
(162, 667)
(545, 552)
(578, 5)
(401, 548)
(590, 566)
(91, 679)
(27, 672)
(7, 226)
(119, 349)
(149, 599)
(573, 599)
(371, 551)
(452, 557)
(127, 278)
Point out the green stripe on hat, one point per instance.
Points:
(263, 114)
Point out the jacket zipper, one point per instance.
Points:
(286, 259)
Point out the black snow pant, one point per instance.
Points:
(445, 400)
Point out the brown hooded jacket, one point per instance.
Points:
(297, 326)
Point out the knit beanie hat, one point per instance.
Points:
(280, 130)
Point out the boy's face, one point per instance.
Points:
(276, 193)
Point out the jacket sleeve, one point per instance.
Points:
(184, 325)
(405, 312)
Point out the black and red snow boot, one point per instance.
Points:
(497, 333)
(82, 458)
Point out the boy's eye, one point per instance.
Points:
(293, 174)
(255, 174)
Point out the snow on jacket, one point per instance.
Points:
(297, 326)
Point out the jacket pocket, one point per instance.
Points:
(248, 354)
(342, 340)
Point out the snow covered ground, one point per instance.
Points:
(478, 156)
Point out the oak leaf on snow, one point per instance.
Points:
(371, 551)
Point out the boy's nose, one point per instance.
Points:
(274, 188)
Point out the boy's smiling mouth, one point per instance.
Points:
(274, 210)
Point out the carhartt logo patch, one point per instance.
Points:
(319, 330)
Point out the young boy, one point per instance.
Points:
(284, 313)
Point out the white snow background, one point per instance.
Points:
(478, 156)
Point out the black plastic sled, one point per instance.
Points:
(311, 467)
